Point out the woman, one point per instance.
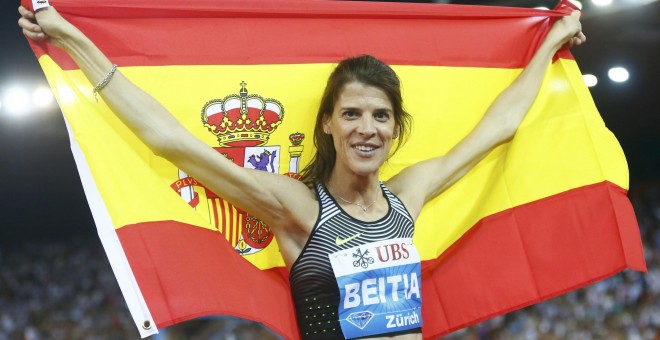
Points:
(340, 205)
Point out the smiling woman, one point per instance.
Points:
(322, 224)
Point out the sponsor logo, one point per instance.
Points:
(392, 252)
(339, 241)
(360, 319)
(362, 260)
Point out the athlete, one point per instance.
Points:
(340, 222)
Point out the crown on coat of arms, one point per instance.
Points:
(242, 120)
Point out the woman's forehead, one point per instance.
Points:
(358, 95)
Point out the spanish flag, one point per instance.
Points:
(541, 215)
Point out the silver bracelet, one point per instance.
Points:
(104, 81)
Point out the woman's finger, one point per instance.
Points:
(578, 39)
(27, 24)
(34, 35)
(583, 38)
(26, 13)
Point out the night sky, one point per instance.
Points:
(42, 198)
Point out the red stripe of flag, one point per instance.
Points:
(509, 260)
(332, 31)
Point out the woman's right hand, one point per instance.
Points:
(567, 30)
(47, 24)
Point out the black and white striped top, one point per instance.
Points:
(313, 284)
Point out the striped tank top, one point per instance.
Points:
(313, 283)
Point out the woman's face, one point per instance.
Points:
(362, 127)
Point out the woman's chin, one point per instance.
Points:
(366, 170)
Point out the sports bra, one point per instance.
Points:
(314, 285)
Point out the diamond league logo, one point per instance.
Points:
(360, 319)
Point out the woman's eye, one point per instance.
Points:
(382, 116)
(350, 114)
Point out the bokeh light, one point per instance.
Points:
(590, 80)
(618, 74)
(602, 2)
(16, 101)
(42, 97)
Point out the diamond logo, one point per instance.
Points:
(360, 319)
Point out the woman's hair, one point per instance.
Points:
(366, 70)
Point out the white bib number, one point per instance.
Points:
(379, 286)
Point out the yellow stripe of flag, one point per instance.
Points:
(446, 102)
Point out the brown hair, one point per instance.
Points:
(369, 71)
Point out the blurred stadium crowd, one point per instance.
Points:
(68, 291)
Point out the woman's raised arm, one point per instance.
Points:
(421, 182)
(281, 201)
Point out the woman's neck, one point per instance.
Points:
(358, 189)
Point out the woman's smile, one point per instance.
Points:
(365, 148)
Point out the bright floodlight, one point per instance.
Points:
(42, 97)
(17, 101)
(602, 2)
(590, 80)
(618, 74)
(542, 7)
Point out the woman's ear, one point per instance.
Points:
(326, 124)
(396, 131)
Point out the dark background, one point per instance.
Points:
(42, 198)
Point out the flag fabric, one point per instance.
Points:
(541, 215)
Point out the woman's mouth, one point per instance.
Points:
(364, 148)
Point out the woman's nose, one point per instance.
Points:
(367, 126)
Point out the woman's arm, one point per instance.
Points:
(421, 182)
(165, 136)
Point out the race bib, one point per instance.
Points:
(379, 287)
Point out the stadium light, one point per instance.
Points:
(590, 80)
(618, 74)
(42, 97)
(602, 3)
(16, 101)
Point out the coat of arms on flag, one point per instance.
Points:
(242, 124)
